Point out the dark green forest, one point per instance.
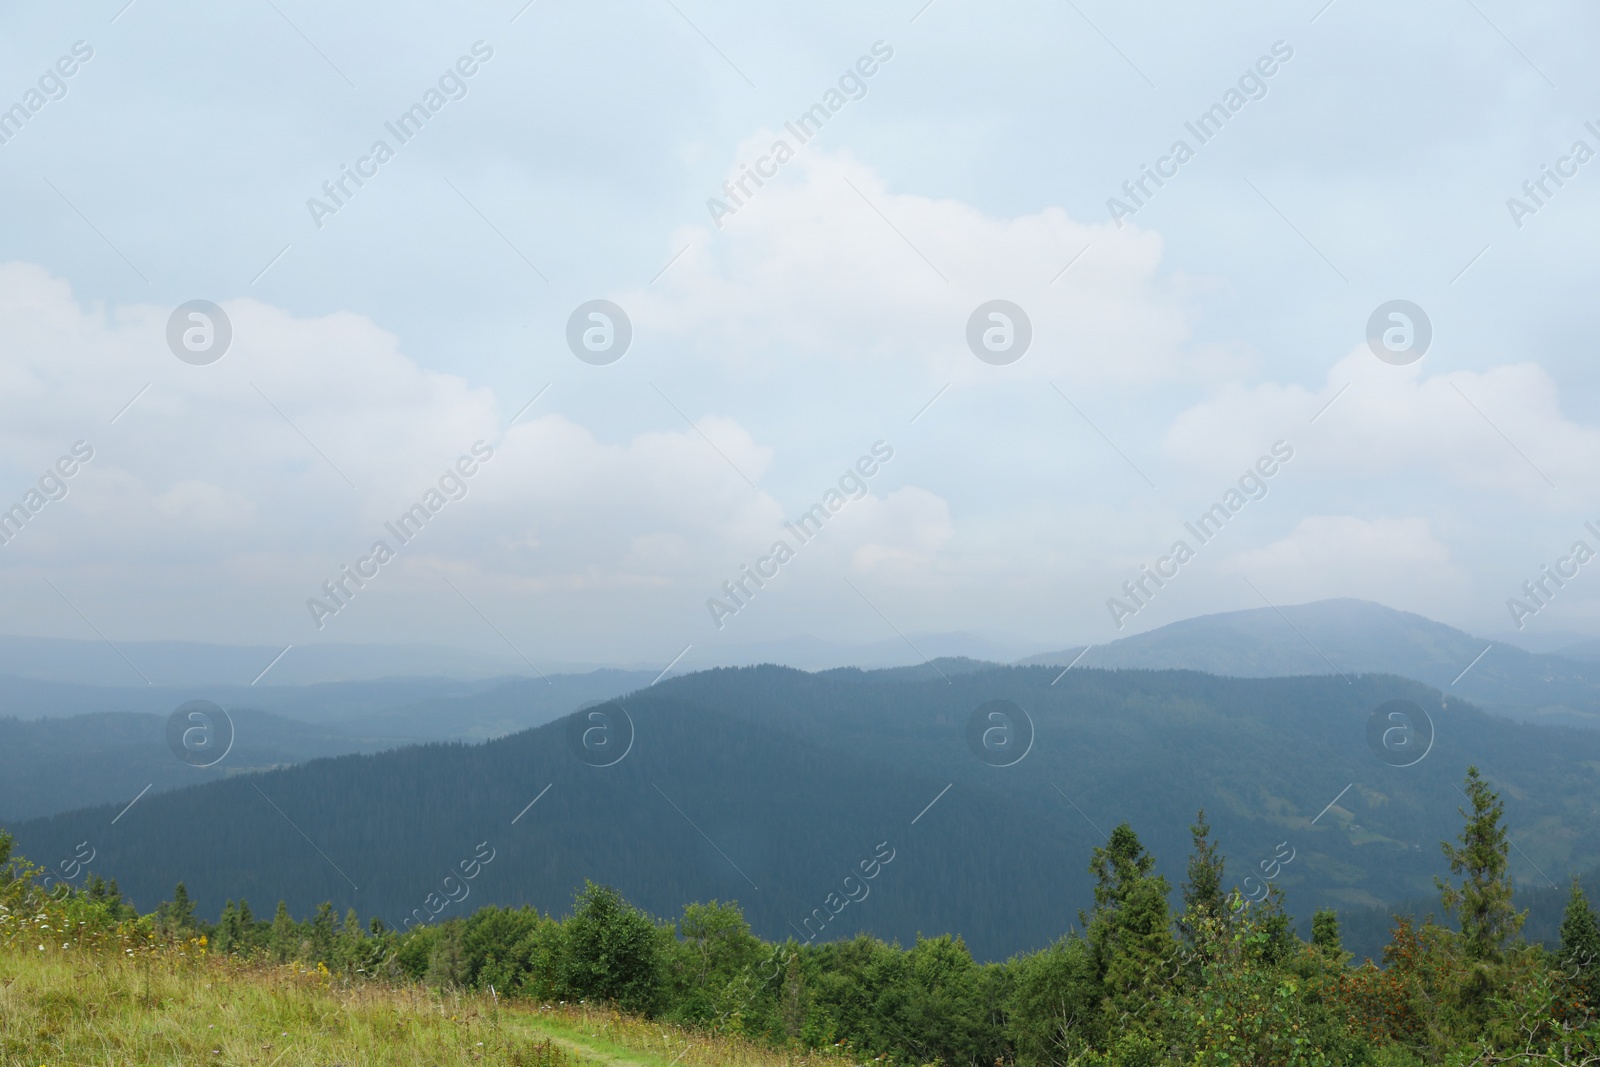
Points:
(1219, 979)
(771, 785)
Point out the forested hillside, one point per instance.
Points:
(1216, 977)
(51, 761)
(771, 786)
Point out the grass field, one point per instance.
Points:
(80, 1007)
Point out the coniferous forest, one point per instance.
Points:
(1150, 974)
(770, 786)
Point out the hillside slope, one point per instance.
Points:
(770, 786)
(118, 747)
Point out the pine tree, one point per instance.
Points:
(176, 916)
(349, 949)
(1483, 900)
(285, 934)
(1278, 939)
(1204, 903)
(1130, 933)
(1579, 958)
(1119, 866)
(249, 936)
(322, 932)
(1325, 930)
(227, 938)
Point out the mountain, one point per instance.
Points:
(178, 664)
(1586, 649)
(817, 654)
(52, 765)
(777, 788)
(33, 698)
(168, 663)
(104, 745)
(1359, 637)
(1559, 642)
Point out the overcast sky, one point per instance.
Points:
(777, 338)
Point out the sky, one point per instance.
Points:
(785, 338)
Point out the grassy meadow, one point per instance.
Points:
(107, 1005)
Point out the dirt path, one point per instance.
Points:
(597, 1051)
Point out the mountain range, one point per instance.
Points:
(1347, 637)
(88, 756)
(104, 744)
(774, 787)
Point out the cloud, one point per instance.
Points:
(1393, 561)
(902, 535)
(232, 477)
(1497, 430)
(827, 265)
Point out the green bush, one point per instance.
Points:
(611, 952)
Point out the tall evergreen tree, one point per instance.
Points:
(285, 936)
(323, 925)
(226, 938)
(1483, 899)
(249, 936)
(176, 916)
(1325, 930)
(1579, 958)
(1203, 898)
(1118, 866)
(1130, 933)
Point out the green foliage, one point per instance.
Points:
(1130, 932)
(285, 935)
(1325, 930)
(1578, 961)
(710, 969)
(1054, 1001)
(1484, 897)
(1203, 897)
(176, 917)
(492, 947)
(611, 952)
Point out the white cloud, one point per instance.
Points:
(1393, 561)
(901, 535)
(829, 264)
(207, 483)
(1500, 430)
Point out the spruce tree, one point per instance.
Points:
(1325, 930)
(351, 935)
(1118, 866)
(1203, 898)
(249, 936)
(285, 934)
(1130, 933)
(1483, 900)
(322, 933)
(227, 935)
(1579, 958)
(176, 916)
